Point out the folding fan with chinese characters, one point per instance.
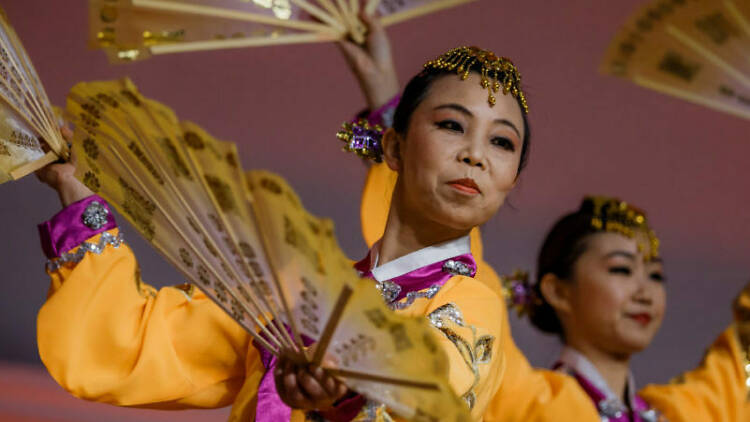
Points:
(136, 29)
(29, 134)
(696, 50)
(246, 241)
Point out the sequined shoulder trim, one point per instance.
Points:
(75, 257)
(410, 297)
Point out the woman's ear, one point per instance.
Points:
(556, 292)
(392, 149)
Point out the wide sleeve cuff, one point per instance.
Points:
(346, 409)
(382, 116)
(74, 224)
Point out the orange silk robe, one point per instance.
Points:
(715, 391)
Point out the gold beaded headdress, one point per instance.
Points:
(616, 216)
(496, 72)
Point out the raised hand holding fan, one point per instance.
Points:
(136, 29)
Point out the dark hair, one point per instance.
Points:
(562, 247)
(418, 88)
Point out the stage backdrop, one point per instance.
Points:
(686, 165)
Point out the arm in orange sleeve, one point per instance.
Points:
(717, 390)
(106, 336)
(534, 395)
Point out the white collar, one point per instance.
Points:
(417, 259)
(571, 359)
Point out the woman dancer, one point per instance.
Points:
(600, 287)
(459, 140)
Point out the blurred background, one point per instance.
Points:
(592, 134)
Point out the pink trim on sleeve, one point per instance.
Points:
(67, 228)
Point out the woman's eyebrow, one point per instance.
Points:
(624, 254)
(465, 111)
(508, 123)
(458, 107)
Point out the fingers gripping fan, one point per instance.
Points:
(137, 29)
(246, 241)
(698, 51)
(29, 134)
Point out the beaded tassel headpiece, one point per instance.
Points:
(616, 216)
(496, 72)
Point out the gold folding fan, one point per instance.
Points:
(696, 50)
(136, 29)
(29, 133)
(246, 241)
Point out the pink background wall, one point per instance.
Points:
(687, 166)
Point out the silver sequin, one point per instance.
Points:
(404, 303)
(651, 415)
(389, 290)
(457, 268)
(77, 256)
(95, 215)
(611, 408)
(447, 312)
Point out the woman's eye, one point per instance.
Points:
(504, 143)
(620, 270)
(450, 125)
(657, 276)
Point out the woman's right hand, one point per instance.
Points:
(372, 64)
(61, 177)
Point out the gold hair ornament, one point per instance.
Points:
(616, 216)
(496, 72)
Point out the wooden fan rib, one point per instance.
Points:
(33, 166)
(246, 210)
(739, 18)
(285, 302)
(330, 327)
(275, 322)
(176, 227)
(261, 340)
(708, 55)
(319, 14)
(16, 55)
(158, 161)
(112, 147)
(283, 39)
(18, 103)
(345, 373)
(331, 9)
(371, 6)
(50, 134)
(692, 97)
(229, 14)
(22, 115)
(421, 10)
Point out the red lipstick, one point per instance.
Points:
(466, 185)
(642, 318)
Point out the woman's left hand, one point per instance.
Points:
(372, 64)
(307, 387)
